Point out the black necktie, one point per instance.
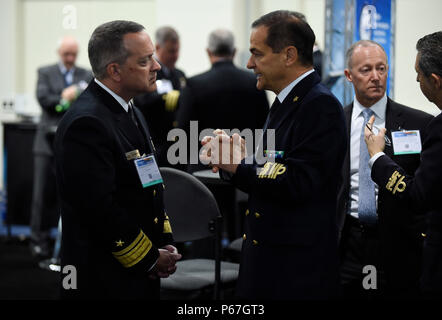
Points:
(272, 111)
(132, 113)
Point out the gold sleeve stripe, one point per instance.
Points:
(396, 181)
(136, 251)
(271, 170)
(131, 246)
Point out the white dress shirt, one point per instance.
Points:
(357, 120)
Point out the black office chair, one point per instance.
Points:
(194, 215)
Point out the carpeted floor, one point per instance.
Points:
(20, 276)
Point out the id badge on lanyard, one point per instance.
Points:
(148, 170)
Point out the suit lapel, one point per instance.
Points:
(76, 77)
(124, 124)
(130, 131)
(145, 130)
(58, 79)
(346, 172)
(293, 100)
(393, 122)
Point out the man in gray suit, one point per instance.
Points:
(57, 87)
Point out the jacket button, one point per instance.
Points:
(154, 193)
(155, 220)
(244, 237)
(423, 235)
(247, 212)
(255, 243)
(257, 214)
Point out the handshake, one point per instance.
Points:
(222, 151)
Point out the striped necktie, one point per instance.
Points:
(367, 196)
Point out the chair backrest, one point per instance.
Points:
(190, 205)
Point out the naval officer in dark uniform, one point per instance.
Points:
(423, 191)
(116, 233)
(290, 241)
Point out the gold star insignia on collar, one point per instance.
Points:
(119, 243)
(295, 99)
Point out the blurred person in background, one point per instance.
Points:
(58, 86)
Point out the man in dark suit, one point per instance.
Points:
(116, 233)
(380, 236)
(422, 192)
(57, 87)
(160, 106)
(225, 90)
(290, 244)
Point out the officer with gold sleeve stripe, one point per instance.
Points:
(116, 232)
(424, 190)
(289, 250)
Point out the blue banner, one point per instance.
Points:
(374, 22)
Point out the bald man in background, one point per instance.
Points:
(58, 86)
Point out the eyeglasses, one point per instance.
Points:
(375, 130)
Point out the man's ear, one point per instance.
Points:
(113, 71)
(291, 55)
(436, 81)
(347, 74)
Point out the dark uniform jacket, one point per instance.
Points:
(400, 235)
(290, 245)
(112, 226)
(160, 111)
(50, 84)
(422, 193)
(225, 97)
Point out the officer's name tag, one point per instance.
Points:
(134, 154)
(148, 171)
(406, 142)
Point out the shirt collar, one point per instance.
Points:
(285, 92)
(120, 100)
(63, 69)
(379, 108)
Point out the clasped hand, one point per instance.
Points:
(166, 264)
(222, 151)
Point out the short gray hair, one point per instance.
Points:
(166, 34)
(361, 43)
(221, 43)
(106, 45)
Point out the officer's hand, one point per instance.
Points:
(375, 143)
(166, 264)
(222, 151)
